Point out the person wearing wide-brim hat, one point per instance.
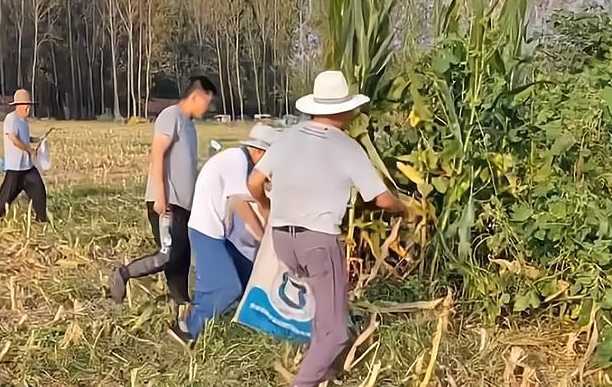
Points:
(223, 253)
(313, 168)
(21, 174)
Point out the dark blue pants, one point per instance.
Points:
(222, 274)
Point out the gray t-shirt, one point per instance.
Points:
(14, 158)
(181, 160)
(312, 169)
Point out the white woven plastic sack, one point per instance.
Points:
(274, 302)
(43, 160)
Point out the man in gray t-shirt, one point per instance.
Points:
(21, 174)
(169, 193)
(313, 168)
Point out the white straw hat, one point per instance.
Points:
(331, 96)
(262, 136)
(22, 97)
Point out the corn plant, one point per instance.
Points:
(360, 38)
(463, 107)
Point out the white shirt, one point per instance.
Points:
(223, 176)
(312, 169)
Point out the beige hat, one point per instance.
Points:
(262, 136)
(331, 96)
(22, 97)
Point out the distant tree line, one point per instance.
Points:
(85, 58)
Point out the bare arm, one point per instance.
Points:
(245, 212)
(19, 144)
(160, 145)
(257, 182)
(389, 202)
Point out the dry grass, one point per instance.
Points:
(57, 328)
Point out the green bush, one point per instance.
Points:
(513, 154)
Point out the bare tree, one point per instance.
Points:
(198, 13)
(149, 52)
(20, 26)
(102, 15)
(79, 99)
(261, 14)
(254, 61)
(2, 34)
(91, 40)
(56, 86)
(140, 27)
(229, 72)
(113, 41)
(70, 44)
(128, 17)
(40, 10)
(214, 23)
(243, 41)
(237, 10)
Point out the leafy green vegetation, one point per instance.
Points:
(504, 144)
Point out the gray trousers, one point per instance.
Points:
(318, 259)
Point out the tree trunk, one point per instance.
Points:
(36, 19)
(103, 37)
(255, 72)
(92, 95)
(80, 80)
(287, 93)
(2, 34)
(139, 101)
(221, 83)
(128, 22)
(20, 44)
(73, 97)
(275, 57)
(111, 22)
(132, 52)
(149, 51)
(238, 81)
(229, 72)
(264, 70)
(262, 22)
(90, 52)
(102, 94)
(177, 72)
(58, 100)
(128, 78)
(199, 10)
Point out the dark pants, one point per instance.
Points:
(29, 181)
(175, 264)
(318, 259)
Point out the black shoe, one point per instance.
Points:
(182, 337)
(117, 284)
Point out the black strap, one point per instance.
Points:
(250, 162)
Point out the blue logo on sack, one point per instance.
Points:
(301, 289)
(258, 313)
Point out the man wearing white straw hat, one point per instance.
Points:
(223, 258)
(21, 174)
(313, 168)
